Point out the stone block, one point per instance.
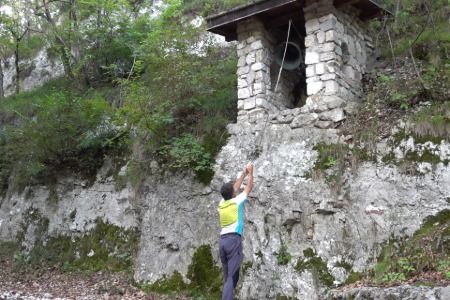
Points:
(242, 83)
(335, 115)
(327, 17)
(333, 102)
(312, 79)
(250, 39)
(241, 61)
(329, 47)
(233, 129)
(258, 66)
(323, 124)
(310, 71)
(241, 45)
(249, 104)
(248, 49)
(349, 72)
(326, 77)
(312, 26)
(258, 88)
(251, 58)
(327, 56)
(243, 70)
(311, 58)
(314, 87)
(261, 54)
(331, 88)
(332, 66)
(328, 25)
(331, 36)
(250, 77)
(310, 40)
(296, 111)
(240, 104)
(320, 37)
(257, 45)
(320, 68)
(262, 103)
(243, 93)
(304, 120)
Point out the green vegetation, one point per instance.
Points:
(123, 99)
(105, 247)
(317, 266)
(283, 256)
(205, 278)
(428, 250)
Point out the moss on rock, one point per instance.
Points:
(316, 265)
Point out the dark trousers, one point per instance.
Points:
(230, 252)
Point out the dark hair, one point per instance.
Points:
(227, 191)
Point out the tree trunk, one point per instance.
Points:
(16, 63)
(2, 92)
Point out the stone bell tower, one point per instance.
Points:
(328, 52)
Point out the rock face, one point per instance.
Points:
(289, 211)
(35, 72)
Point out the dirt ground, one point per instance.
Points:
(18, 283)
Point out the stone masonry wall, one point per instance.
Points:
(337, 50)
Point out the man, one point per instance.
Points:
(232, 222)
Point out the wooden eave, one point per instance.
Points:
(277, 13)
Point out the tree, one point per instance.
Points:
(17, 24)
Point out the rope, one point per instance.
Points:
(258, 148)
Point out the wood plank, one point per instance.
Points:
(245, 12)
(284, 20)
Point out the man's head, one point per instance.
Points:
(227, 191)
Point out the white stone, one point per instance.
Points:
(312, 79)
(258, 88)
(312, 26)
(329, 47)
(320, 69)
(251, 58)
(331, 36)
(335, 115)
(328, 25)
(258, 66)
(243, 93)
(311, 58)
(249, 103)
(314, 87)
(304, 120)
(261, 102)
(240, 104)
(257, 45)
(241, 61)
(310, 71)
(320, 37)
(242, 83)
(310, 40)
(331, 87)
(327, 56)
(243, 70)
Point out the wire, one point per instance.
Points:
(258, 148)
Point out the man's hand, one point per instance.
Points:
(245, 171)
(249, 169)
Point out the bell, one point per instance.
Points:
(293, 57)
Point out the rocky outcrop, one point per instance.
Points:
(291, 211)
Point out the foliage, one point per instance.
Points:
(428, 250)
(60, 131)
(316, 265)
(105, 247)
(209, 7)
(283, 256)
(178, 108)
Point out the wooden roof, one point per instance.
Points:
(277, 13)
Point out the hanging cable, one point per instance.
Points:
(255, 155)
